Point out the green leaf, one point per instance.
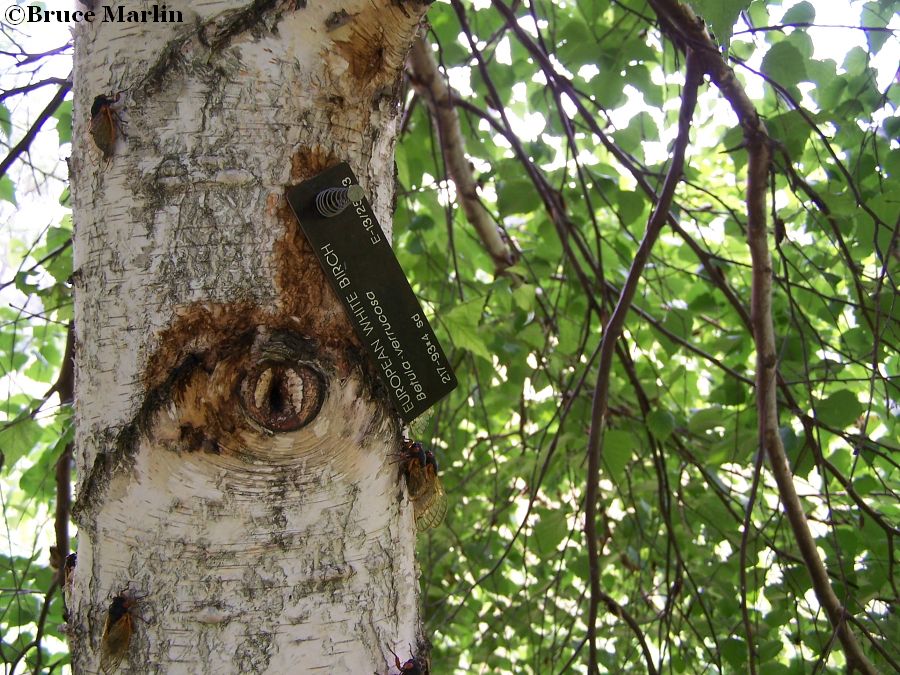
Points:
(18, 437)
(63, 117)
(856, 61)
(524, 297)
(840, 409)
(791, 130)
(608, 87)
(5, 120)
(57, 236)
(730, 392)
(784, 64)
(721, 15)
(36, 481)
(7, 189)
(631, 206)
(804, 44)
(550, 529)
(874, 16)
(735, 652)
(618, 448)
(661, 424)
(678, 322)
(769, 649)
(641, 127)
(802, 12)
(866, 484)
(517, 196)
(591, 10)
(704, 420)
(577, 45)
(462, 324)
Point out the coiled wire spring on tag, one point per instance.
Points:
(334, 200)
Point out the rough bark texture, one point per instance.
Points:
(236, 469)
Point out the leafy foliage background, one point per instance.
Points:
(579, 109)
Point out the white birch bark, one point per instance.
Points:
(249, 551)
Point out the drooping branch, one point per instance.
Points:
(688, 32)
(429, 83)
(565, 86)
(29, 136)
(613, 330)
(24, 89)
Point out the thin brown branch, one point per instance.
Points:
(63, 507)
(689, 33)
(807, 24)
(64, 388)
(875, 642)
(613, 330)
(431, 87)
(745, 541)
(616, 609)
(552, 200)
(29, 136)
(24, 58)
(15, 91)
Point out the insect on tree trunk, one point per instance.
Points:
(237, 487)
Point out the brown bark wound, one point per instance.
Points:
(304, 293)
(306, 305)
(244, 390)
(373, 46)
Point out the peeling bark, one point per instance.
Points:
(235, 455)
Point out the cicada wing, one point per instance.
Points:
(431, 505)
(103, 130)
(116, 637)
(419, 426)
(417, 480)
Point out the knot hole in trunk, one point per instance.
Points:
(280, 393)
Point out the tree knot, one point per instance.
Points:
(282, 391)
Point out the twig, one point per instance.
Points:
(64, 388)
(745, 540)
(29, 136)
(27, 58)
(15, 91)
(63, 506)
(429, 84)
(807, 24)
(613, 330)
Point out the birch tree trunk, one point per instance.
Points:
(236, 477)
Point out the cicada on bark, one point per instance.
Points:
(117, 632)
(426, 492)
(106, 125)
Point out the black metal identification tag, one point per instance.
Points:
(384, 311)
